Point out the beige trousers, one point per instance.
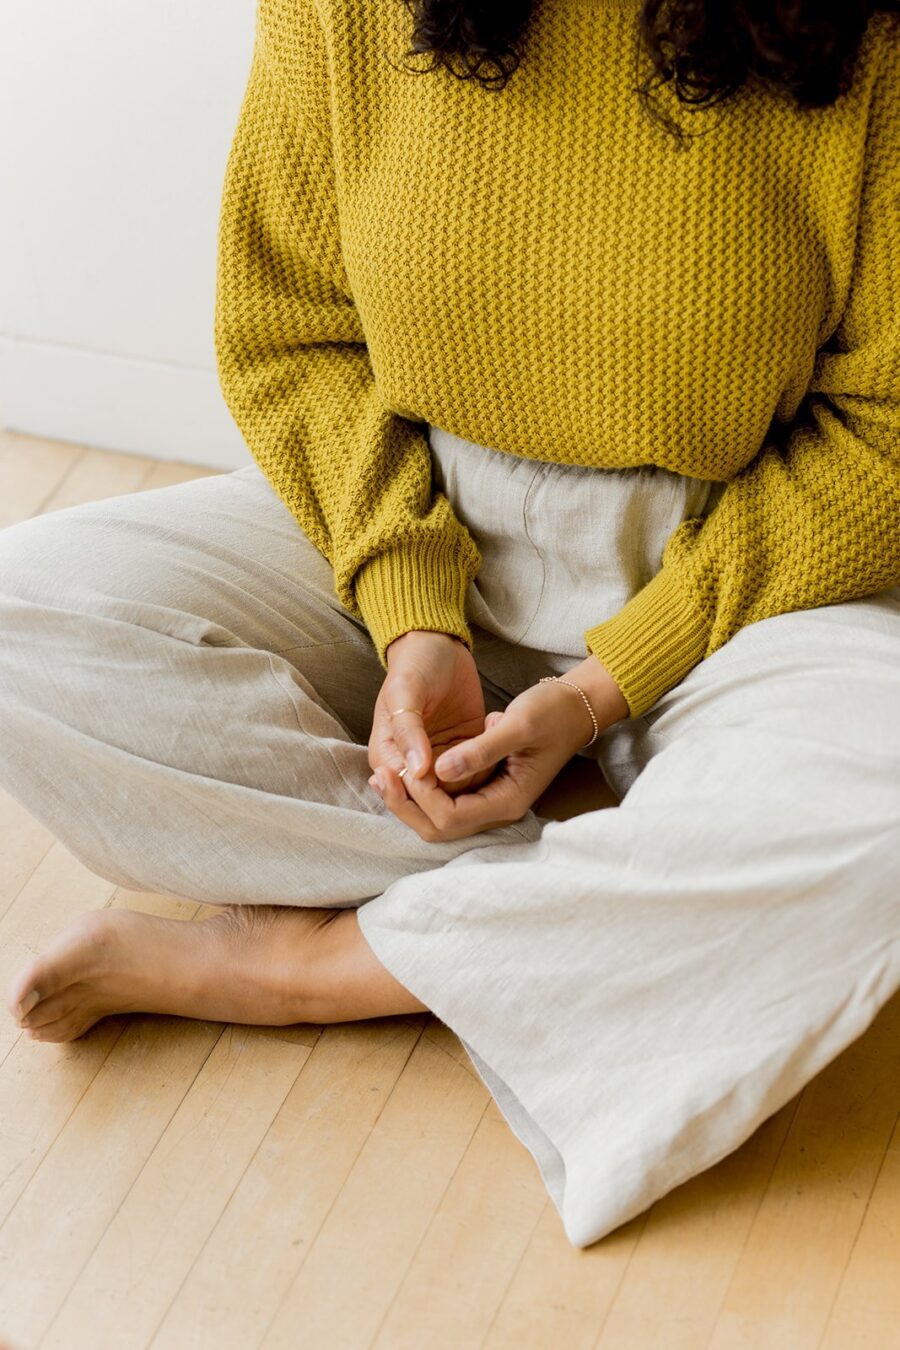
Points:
(186, 705)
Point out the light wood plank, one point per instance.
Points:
(124, 1290)
(472, 1247)
(31, 470)
(690, 1246)
(866, 1313)
(97, 475)
(560, 1296)
(40, 1087)
(159, 906)
(67, 1206)
(785, 1283)
(34, 1072)
(374, 1229)
(56, 1077)
(262, 1239)
(656, 1281)
(24, 843)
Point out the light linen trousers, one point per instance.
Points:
(186, 705)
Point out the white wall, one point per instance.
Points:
(115, 122)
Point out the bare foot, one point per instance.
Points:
(260, 964)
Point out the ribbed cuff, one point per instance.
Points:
(651, 643)
(421, 586)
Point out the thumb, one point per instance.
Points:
(499, 738)
(404, 699)
(412, 741)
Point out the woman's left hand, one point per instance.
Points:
(529, 742)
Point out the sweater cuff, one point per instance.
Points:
(421, 586)
(651, 643)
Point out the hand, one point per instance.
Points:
(436, 673)
(535, 736)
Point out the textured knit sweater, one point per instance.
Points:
(541, 270)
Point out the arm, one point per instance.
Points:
(293, 363)
(815, 521)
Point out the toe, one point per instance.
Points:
(28, 988)
(67, 1028)
(50, 1010)
(80, 947)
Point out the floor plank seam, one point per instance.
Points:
(427, 1229)
(839, 1284)
(13, 898)
(516, 1268)
(62, 1127)
(231, 1194)
(56, 487)
(349, 1172)
(751, 1223)
(129, 1189)
(621, 1280)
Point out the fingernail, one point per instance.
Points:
(449, 766)
(414, 761)
(28, 1002)
(375, 784)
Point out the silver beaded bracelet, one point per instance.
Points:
(559, 679)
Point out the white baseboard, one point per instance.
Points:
(124, 403)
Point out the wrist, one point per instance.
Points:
(605, 696)
(417, 637)
(574, 726)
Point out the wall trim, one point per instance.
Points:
(125, 403)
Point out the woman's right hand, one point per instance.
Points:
(436, 673)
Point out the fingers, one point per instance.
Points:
(502, 735)
(396, 798)
(412, 742)
(398, 736)
(438, 814)
(435, 816)
(497, 802)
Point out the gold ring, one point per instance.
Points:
(417, 711)
(404, 770)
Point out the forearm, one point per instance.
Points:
(604, 695)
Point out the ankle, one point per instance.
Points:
(324, 987)
(347, 981)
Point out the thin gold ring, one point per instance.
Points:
(417, 711)
(404, 770)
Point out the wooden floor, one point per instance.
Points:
(181, 1184)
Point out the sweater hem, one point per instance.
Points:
(421, 588)
(651, 643)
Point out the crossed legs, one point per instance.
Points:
(185, 704)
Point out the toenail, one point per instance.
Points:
(28, 1002)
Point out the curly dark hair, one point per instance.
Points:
(708, 49)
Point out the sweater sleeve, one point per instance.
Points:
(814, 518)
(293, 363)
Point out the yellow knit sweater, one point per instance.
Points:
(542, 271)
